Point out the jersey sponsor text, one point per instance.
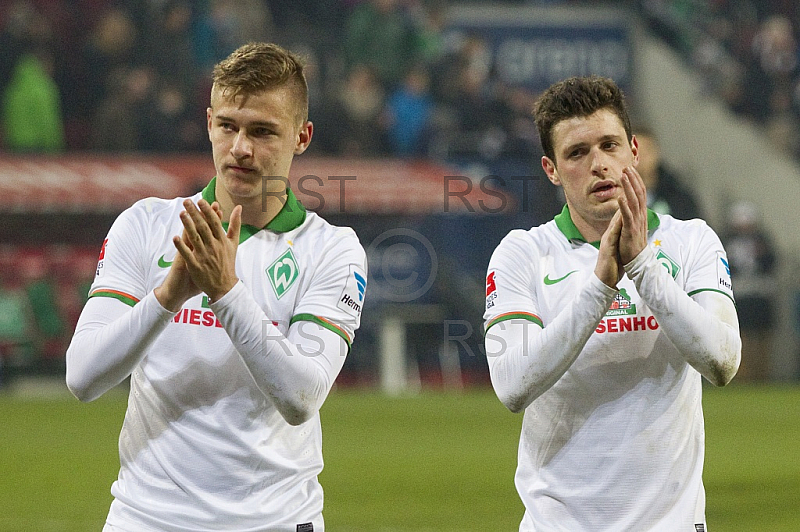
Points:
(195, 316)
(630, 324)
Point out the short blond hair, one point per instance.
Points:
(256, 67)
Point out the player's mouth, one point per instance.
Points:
(241, 170)
(605, 189)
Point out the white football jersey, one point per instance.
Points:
(617, 443)
(201, 447)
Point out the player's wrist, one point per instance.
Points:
(167, 299)
(216, 294)
(635, 264)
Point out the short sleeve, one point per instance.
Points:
(709, 270)
(335, 296)
(509, 287)
(120, 270)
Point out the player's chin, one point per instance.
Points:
(607, 209)
(242, 186)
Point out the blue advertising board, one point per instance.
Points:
(535, 47)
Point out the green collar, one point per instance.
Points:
(567, 226)
(291, 216)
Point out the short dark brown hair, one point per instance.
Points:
(577, 97)
(256, 67)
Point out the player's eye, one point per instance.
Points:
(262, 132)
(610, 145)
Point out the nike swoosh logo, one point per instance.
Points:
(162, 263)
(549, 281)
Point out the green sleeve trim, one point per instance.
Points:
(121, 296)
(693, 292)
(516, 316)
(324, 323)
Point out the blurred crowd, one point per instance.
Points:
(133, 75)
(747, 51)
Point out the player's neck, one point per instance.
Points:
(257, 211)
(591, 231)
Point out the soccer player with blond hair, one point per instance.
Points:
(232, 312)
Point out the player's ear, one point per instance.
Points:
(208, 121)
(304, 137)
(549, 167)
(635, 150)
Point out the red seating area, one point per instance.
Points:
(42, 290)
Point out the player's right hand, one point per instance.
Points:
(609, 265)
(178, 286)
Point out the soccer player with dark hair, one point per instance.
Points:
(600, 325)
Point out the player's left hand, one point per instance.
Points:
(633, 206)
(208, 250)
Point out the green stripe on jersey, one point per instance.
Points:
(322, 322)
(516, 316)
(693, 292)
(125, 298)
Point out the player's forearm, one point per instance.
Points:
(110, 340)
(525, 360)
(296, 377)
(706, 335)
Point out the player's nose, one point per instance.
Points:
(600, 164)
(242, 146)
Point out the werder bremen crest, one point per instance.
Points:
(283, 273)
(667, 262)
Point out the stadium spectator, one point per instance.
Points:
(469, 114)
(112, 43)
(407, 114)
(520, 136)
(31, 106)
(171, 29)
(16, 345)
(753, 261)
(21, 27)
(47, 325)
(665, 192)
(380, 36)
(170, 124)
(225, 25)
(121, 119)
(356, 114)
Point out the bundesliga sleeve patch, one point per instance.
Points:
(491, 290)
(101, 259)
(352, 298)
